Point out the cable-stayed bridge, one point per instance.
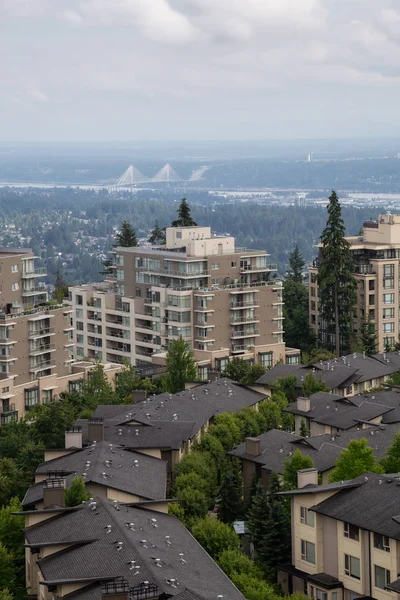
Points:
(132, 176)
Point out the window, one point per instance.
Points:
(203, 372)
(79, 325)
(371, 285)
(371, 299)
(120, 274)
(352, 566)
(334, 596)
(215, 266)
(215, 281)
(351, 532)
(31, 397)
(293, 360)
(312, 292)
(221, 363)
(388, 298)
(138, 292)
(382, 577)
(321, 595)
(313, 305)
(388, 270)
(14, 268)
(79, 299)
(388, 342)
(233, 264)
(388, 327)
(97, 303)
(14, 287)
(5, 389)
(126, 321)
(75, 386)
(119, 260)
(388, 313)
(265, 359)
(79, 351)
(47, 396)
(179, 235)
(80, 338)
(308, 552)
(313, 278)
(79, 313)
(307, 517)
(381, 542)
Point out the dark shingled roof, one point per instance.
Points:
(111, 466)
(390, 359)
(339, 412)
(145, 535)
(169, 420)
(335, 373)
(370, 506)
(276, 446)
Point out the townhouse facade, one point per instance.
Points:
(345, 538)
(376, 258)
(224, 301)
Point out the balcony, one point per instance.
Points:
(170, 273)
(34, 291)
(117, 334)
(42, 366)
(364, 269)
(240, 348)
(36, 333)
(245, 304)
(238, 320)
(41, 272)
(42, 349)
(245, 333)
(255, 269)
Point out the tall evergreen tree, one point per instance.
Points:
(60, 288)
(184, 217)
(258, 515)
(157, 236)
(126, 237)
(368, 337)
(275, 542)
(337, 286)
(230, 502)
(296, 265)
(180, 366)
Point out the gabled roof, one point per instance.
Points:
(371, 506)
(276, 446)
(110, 466)
(148, 539)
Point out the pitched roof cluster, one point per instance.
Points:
(152, 552)
(106, 465)
(338, 373)
(277, 446)
(170, 420)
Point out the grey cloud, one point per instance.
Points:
(188, 68)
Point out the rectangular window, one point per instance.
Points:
(79, 325)
(14, 268)
(221, 363)
(80, 338)
(233, 264)
(120, 274)
(79, 299)
(307, 517)
(388, 313)
(14, 286)
(293, 360)
(388, 342)
(215, 281)
(75, 386)
(179, 235)
(351, 531)
(215, 266)
(381, 542)
(79, 351)
(388, 270)
(382, 577)
(321, 595)
(31, 397)
(388, 298)
(334, 595)
(308, 552)
(352, 566)
(265, 359)
(388, 327)
(97, 303)
(79, 313)
(371, 285)
(126, 321)
(313, 305)
(371, 299)
(119, 260)
(312, 292)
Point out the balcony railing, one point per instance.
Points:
(40, 272)
(41, 366)
(241, 348)
(252, 319)
(7, 409)
(35, 333)
(255, 269)
(42, 349)
(170, 273)
(245, 333)
(34, 291)
(245, 304)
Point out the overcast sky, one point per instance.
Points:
(198, 69)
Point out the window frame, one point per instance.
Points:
(347, 532)
(348, 569)
(305, 545)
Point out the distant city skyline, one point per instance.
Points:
(103, 70)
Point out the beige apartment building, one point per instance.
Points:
(224, 301)
(345, 538)
(376, 258)
(37, 359)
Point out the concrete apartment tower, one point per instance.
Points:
(224, 301)
(376, 258)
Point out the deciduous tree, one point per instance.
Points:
(215, 536)
(180, 366)
(357, 458)
(76, 493)
(295, 463)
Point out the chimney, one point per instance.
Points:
(96, 429)
(53, 492)
(138, 395)
(116, 590)
(252, 446)
(303, 404)
(73, 437)
(307, 477)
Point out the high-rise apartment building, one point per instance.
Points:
(376, 259)
(36, 339)
(224, 301)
